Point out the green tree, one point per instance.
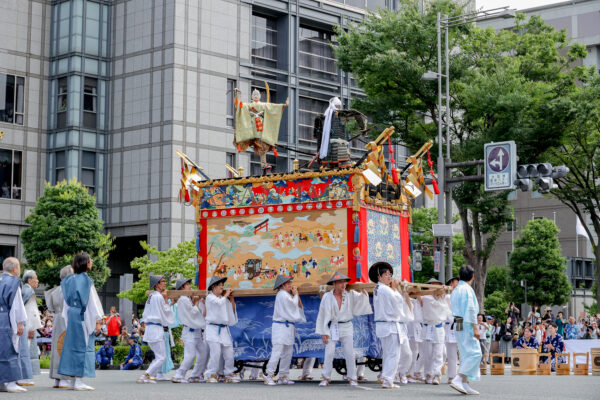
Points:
(63, 222)
(495, 304)
(580, 152)
(422, 219)
(537, 259)
(497, 279)
(506, 85)
(170, 263)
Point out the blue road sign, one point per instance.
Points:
(500, 165)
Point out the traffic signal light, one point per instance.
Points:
(523, 182)
(542, 175)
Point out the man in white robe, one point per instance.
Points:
(220, 315)
(34, 322)
(465, 308)
(13, 318)
(307, 367)
(392, 312)
(334, 323)
(451, 346)
(158, 316)
(435, 314)
(287, 312)
(190, 312)
(415, 341)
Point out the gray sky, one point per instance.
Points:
(518, 4)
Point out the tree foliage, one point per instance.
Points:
(63, 222)
(495, 304)
(498, 279)
(537, 259)
(506, 85)
(422, 233)
(580, 152)
(171, 263)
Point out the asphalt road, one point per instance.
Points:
(117, 385)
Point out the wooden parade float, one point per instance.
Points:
(307, 224)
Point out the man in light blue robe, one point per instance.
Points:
(13, 320)
(465, 309)
(82, 310)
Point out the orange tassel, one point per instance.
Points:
(239, 149)
(275, 152)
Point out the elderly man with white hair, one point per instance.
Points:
(34, 322)
(13, 320)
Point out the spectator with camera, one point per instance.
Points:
(113, 325)
(513, 312)
(560, 323)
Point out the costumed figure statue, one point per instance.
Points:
(257, 125)
(330, 132)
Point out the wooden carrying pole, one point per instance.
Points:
(414, 289)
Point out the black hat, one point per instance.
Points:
(434, 281)
(180, 282)
(133, 337)
(281, 280)
(338, 276)
(377, 269)
(449, 281)
(215, 280)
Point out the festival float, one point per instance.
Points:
(344, 216)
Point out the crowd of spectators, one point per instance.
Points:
(544, 332)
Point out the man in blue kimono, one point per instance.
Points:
(104, 355)
(465, 308)
(135, 357)
(553, 344)
(84, 310)
(527, 341)
(13, 319)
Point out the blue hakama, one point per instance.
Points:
(78, 353)
(10, 362)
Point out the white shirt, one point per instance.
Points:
(450, 332)
(219, 311)
(33, 314)
(390, 311)
(157, 311)
(435, 312)
(191, 316)
(414, 327)
(286, 313)
(330, 314)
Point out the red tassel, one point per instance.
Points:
(395, 175)
(436, 189)
(187, 196)
(275, 152)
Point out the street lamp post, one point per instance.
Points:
(444, 199)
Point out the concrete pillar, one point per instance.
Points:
(125, 305)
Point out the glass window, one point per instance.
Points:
(12, 92)
(231, 161)
(10, 174)
(61, 163)
(5, 252)
(92, 28)
(316, 58)
(230, 96)
(264, 40)
(61, 120)
(63, 28)
(90, 93)
(88, 170)
(309, 107)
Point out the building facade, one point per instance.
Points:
(581, 20)
(106, 91)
